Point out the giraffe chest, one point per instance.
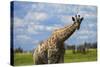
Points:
(51, 43)
(47, 45)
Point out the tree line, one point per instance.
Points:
(87, 45)
(80, 48)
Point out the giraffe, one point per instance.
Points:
(52, 50)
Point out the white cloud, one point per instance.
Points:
(30, 23)
(66, 19)
(92, 25)
(35, 16)
(34, 6)
(32, 31)
(87, 14)
(55, 8)
(35, 41)
(82, 32)
(58, 8)
(86, 34)
(51, 28)
(38, 6)
(88, 11)
(32, 27)
(35, 28)
(23, 38)
(83, 37)
(18, 22)
(87, 37)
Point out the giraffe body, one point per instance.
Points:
(52, 50)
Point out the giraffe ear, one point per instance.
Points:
(81, 19)
(73, 18)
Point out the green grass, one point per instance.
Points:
(23, 59)
(91, 55)
(26, 58)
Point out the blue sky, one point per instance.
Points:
(34, 22)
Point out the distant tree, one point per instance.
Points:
(18, 50)
(81, 48)
(94, 45)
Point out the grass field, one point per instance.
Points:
(26, 58)
(79, 57)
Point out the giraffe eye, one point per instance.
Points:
(73, 18)
(78, 15)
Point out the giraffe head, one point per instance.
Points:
(77, 19)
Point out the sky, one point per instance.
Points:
(34, 22)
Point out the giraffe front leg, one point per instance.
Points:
(53, 56)
(61, 60)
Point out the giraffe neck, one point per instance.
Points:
(64, 33)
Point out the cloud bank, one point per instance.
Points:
(34, 22)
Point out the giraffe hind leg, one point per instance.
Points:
(36, 57)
